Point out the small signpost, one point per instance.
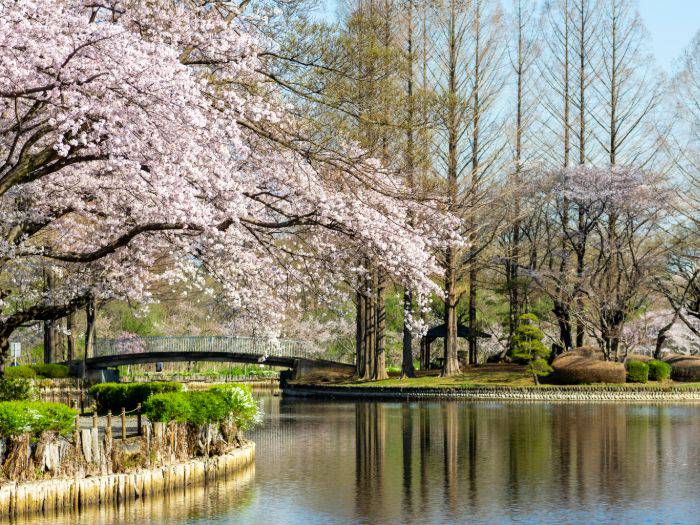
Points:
(15, 351)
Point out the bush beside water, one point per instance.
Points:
(214, 405)
(659, 370)
(34, 417)
(16, 389)
(50, 370)
(637, 372)
(21, 371)
(115, 396)
(47, 371)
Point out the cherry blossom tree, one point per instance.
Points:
(139, 136)
(623, 261)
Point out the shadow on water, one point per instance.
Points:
(453, 462)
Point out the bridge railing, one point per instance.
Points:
(262, 347)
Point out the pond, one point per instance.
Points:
(450, 462)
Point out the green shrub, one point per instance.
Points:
(659, 370)
(241, 404)
(23, 371)
(207, 407)
(217, 404)
(528, 348)
(50, 370)
(572, 369)
(637, 372)
(115, 396)
(19, 417)
(16, 389)
(162, 408)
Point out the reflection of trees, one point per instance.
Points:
(369, 457)
(424, 418)
(407, 455)
(491, 457)
(450, 418)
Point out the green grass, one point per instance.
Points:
(493, 375)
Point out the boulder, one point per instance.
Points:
(572, 369)
(684, 367)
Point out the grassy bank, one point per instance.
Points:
(489, 375)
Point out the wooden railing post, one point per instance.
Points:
(123, 414)
(138, 419)
(108, 427)
(77, 431)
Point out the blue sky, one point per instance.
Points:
(672, 25)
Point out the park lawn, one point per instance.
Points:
(485, 375)
(504, 375)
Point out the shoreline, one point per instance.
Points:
(52, 496)
(573, 393)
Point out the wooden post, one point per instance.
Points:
(138, 419)
(77, 431)
(82, 402)
(123, 415)
(108, 432)
(94, 420)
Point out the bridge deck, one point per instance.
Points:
(139, 350)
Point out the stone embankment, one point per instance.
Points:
(65, 495)
(585, 393)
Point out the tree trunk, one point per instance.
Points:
(450, 365)
(70, 324)
(380, 359)
(360, 319)
(370, 319)
(4, 353)
(90, 317)
(472, 317)
(407, 354)
(50, 333)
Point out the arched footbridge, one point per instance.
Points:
(294, 354)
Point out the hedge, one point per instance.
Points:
(684, 367)
(34, 417)
(572, 369)
(16, 389)
(23, 371)
(637, 372)
(163, 408)
(115, 396)
(658, 370)
(50, 370)
(241, 404)
(202, 407)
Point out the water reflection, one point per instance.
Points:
(190, 505)
(497, 462)
(367, 463)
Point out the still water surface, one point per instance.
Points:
(452, 462)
